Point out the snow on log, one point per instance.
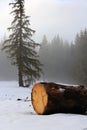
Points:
(50, 98)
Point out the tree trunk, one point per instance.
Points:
(20, 78)
(49, 98)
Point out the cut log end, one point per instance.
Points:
(39, 98)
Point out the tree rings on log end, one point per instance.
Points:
(39, 98)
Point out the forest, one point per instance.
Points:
(65, 62)
(62, 62)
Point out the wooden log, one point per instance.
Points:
(50, 98)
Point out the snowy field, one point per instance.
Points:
(19, 115)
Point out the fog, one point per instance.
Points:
(7, 71)
(57, 60)
(58, 56)
(63, 62)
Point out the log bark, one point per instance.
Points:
(50, 98)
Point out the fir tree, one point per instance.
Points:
(20, 47)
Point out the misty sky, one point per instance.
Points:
(50, 17)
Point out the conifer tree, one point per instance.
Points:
(20, 47)
(81, 55)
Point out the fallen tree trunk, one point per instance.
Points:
(49, 98)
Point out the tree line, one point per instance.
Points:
(65, 62)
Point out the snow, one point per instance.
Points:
(19, 115)
(61, 89)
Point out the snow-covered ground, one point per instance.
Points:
(19, 115)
